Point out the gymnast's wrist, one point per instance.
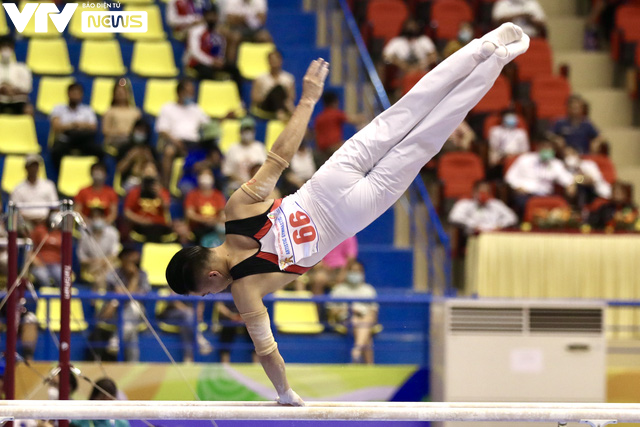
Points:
(306, 102)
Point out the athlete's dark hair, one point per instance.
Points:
(104, 387)
(184, 268)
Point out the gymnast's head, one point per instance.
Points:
(197, 271)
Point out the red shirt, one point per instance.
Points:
(90, 198)
(50, 252)
(207, 206)
(148, 208)
(329, 128)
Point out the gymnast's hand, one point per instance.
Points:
(290, 398)
(313, 82)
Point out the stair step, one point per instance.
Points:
(290, 27)
(631, 174)
(556, 8)
(587, 69)
(387, 266)
(566, 33)
(609, 107)
(624, 143)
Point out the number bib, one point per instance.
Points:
(296, 234)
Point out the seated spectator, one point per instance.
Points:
(587, 175)
(27, 324)
(118, 121)
(465, 35)
(483, 212)
(74, 128)
(363, 317)
(246, 20)
(53, 390)
(182, 15)
(204, 209)
(96, 252)
(178, 124)
(207, 50)
(618, 214)
(576, 130)
(135, 155)
(528, 14)
(336, 263)
(103, 389)
(329, 126)
(98, 195)
(506, 139)
(147, 209)
(461, 139)
(412, 49)
(534, 174)
(242, 157)
(206, 156)
(34, 190)
(15, 81)
(273, 93)
(302, 167)
(46, 268)
(230, 324)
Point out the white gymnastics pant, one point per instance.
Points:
(376, 166)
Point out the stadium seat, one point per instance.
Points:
(176, 174)
(161, 306)
(230, 134)
(154, 260)
(51, 322)
(145, 2)
(218, 99)
(102, 94)
(13, 172)
(626, 21)
(153, 59)
(157, 93)
(48, 56)
(75, 174)
(52, 91)
(18, 135)
(496, 119)
(75, 25)
(4, 29)
(296, 317)
(537, 204)
(507, 162)
(410, 79)
(101, 58)
(550, 93)
(459, 171)
(274, 129)
(30, 29)
(497, 99)
(537, 61)
(155, 30)
(606, 166)
(447, 15)
(386, 17)
(253, 59)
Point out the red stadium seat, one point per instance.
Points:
(542, 203)
(386, 17)
(410, 79)
(497, 99)
(537, 61)
(550, 94)
(447, 15)
(459, 171)
(607, 169)
(507, 162)
(626, 28)
(496, 119)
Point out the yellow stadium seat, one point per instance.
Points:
(77, 321)
(18, 135)
(176, 174)
(157, 93)
(274, 129)
(75, 26)
(218, 99)
(296, 317)
(153, 59)
(155, 30)
(253, 59)
(101, 94)
(101, 58)
(161, 306)
(154, 260)
(128, 2)
(48, 56)
(75, 174)
(13, 172)
(52, 91)
(230, 130)
(4, 29)
(30, 29)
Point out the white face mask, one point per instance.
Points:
(205, 181)
(53, 393)
(247, 136)
(6, 54)
(572, 161)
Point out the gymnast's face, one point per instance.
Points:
(212, 279)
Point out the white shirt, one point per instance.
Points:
(18, 76)
(241, 158)
(535, 177)
(505, 9)
(303, 165)
(67, 115)
(590, 168)
(249, 9)
(404, 48)
(492, 216)
(267, 82)
(175, 20)
(181, 121)
(504, 141)
(108, 241)
(361, 291)
(43, 191)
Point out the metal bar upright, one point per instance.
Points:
(65, 303)
(12, 304)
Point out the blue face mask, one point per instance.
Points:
(189, 100)
(510, 120)
(465, 35)
(354, 277)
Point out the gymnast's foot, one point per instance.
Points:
(507, 41)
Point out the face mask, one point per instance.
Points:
(98, 225)
(211, 25)
(572, 161)
(189, 100)
(483, 197)
(73, 103)
(510, 120)
(354, 277)
(6, 54)
(247, 136)
(99, 177)
(205, 181)
(547, 154)
(465, 35)
(148, 181)
(139, 137)
(53, 393)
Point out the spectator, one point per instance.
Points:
(533, 174)
(182, 15)
(411, 49)
(273, 93)
(576, 130)
(465, 35)
(207, 50)
(528, 14)
(35, 190)
(15, 81)
(241, 157)
(204, 208)
(483, 212)
(301, 169)
(147, 209)
(230, 324)
(103, 389)
(363, 317)
(53, 391)
(46, 267)
(74, 128)
(506, 139)
(329, 126)
(339, 259)
(615, 213)
(206, 156)
(587, 175)
(178, 124)
(119, 120)
(134, 156)
(98, 195)
(96, 256)
(461, 139)
(247, 20)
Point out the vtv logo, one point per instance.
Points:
(42, 11)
